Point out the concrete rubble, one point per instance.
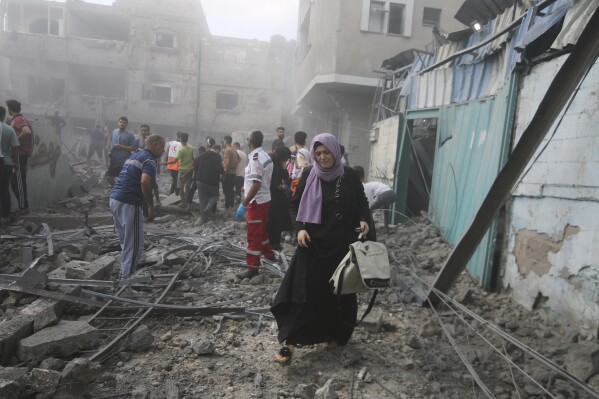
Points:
(401, 349)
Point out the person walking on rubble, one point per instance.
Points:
(194, 184)
(172, 147)
(209, 172)
(56, 121)
(145, 133)
(184, 159)
(9, 160)
(239, 172)
(122, 144)
(329, 208)
(96, 141)
(24, 133)
(230, 162)
(133, 186)
(256, 204)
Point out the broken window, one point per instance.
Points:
(431, 16)
(396, 19)
(387, 16)
(98, 81)
(158, 93)
(226, 100)
(165, 39)
(91, 24)
(303, 42)
(376, 19)
(45, 90)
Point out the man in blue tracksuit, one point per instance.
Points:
(134, 185)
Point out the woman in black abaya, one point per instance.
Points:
(329, 210)
(279, 219)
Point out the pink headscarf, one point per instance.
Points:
(310, 207)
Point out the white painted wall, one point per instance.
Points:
(383, 151)
(560, 191)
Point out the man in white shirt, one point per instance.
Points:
(256, 203)
(379, 195)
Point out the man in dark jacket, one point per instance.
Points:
(209, 172)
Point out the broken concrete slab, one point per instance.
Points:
(17, 374)
(172, 199)
(99, 269)
(11, 332)
(373, 320)
(59, 340)
(53, 363)
(80, 370)
(44, 381)
(75, 189)
(9, 389)
(68, 222)
(141, 339)
(44, 312)
(90, 183)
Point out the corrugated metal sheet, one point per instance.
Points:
(482, 72)
(575, 21)
(475, 147)
(437, 90)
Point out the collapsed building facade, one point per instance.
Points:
(245, 85)
(450, 123)
(154, 62)
(94, 63)
(340, 44)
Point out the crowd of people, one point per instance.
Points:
(309, 190)
(16, 146)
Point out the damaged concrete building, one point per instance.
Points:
(451, 123)
(154, 62)
(340, 44)
(94, 62)
(245, 85)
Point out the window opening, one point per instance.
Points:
(396, 18)
(376, 18)
(165, 39)
(226, 100)
(431, 16)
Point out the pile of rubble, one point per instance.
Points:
(186, 327)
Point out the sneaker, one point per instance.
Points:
(249, 274)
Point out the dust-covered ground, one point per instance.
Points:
(403, 350)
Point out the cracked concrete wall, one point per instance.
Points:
(49, 175)
(552, 259)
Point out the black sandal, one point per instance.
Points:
(285, 354)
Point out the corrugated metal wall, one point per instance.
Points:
(472, 146)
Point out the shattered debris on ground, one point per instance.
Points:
(186, 327)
